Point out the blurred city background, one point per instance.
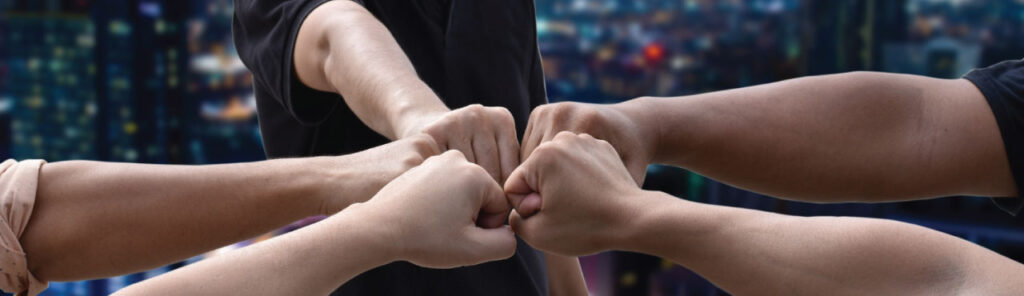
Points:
(159, 81)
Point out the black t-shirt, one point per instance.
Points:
(467, 51)
(1003, 87)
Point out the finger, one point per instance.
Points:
(425, 145)
(450, 156)
(534, 129)
(485, 151)
(465, 147)
(492, 244)
(454, 138)
(508, 148)
(547, 137)
(529, 205)
(567, 136)
(527, 229)
(494, 208)
(515, 221)
(637, 170)
(519, 184)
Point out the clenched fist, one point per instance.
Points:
(444, 213)
(584, 195)
(619, 124)
(485, 135)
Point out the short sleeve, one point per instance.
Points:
(1002, 85)
(264, 33)
(18, 183)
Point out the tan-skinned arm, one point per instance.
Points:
(342, 48)
(748, 252)
(96, 219)
(847, 137)
(591, 204)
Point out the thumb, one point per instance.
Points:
(637, 170)
(525, 229)
(521, 191)
(528, 204)
(492, 244)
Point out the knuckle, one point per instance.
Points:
(559, 112)
(546, 152)
(474, 174)
(503, 115)
(586, 118)
(424, 144)
(413, 160)
(565, 136)
(475, 109)
(540, 111)
(454, 155)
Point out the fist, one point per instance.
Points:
(612, 123)
(586, 194)
(485, 135)
(445, 213)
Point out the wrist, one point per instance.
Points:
(301, 182)
(645, 123)
(663, 224)
(378, 233)
(412, 112)
(329, 178)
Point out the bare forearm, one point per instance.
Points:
(565, 276)
(846, 137)
(310, 261)
(96, 219)
(343, 48)
(757, 253)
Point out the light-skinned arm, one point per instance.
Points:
(96, 219)
(342, 48)
(591, 203)
(418, 218)
(847, 137)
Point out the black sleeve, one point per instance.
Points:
(1002, 85)
(264, 33)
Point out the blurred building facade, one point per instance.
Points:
(159, 81)
(124, 80)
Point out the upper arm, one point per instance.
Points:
(961, 140)
(312, 45)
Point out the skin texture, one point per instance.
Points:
(342, 48)
(153, 215)
(590, 204)
(866, 137)
(390, 227)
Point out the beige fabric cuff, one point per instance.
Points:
(18, 183)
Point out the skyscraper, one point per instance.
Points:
(50, 83)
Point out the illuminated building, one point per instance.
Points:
(49, 89)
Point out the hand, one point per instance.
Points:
(612, 123)
(434, 211)
(485, 135)
(586, 194)
(357, 177)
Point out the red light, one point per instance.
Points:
(654, 52)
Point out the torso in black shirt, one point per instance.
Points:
(467, 51)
